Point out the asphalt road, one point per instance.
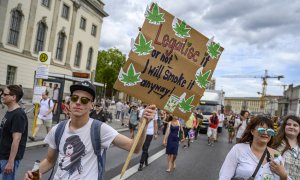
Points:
(200, 161)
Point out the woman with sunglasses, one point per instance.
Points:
(287, 142)
(243, 159)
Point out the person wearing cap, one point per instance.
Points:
(77, 132)
(98, 113)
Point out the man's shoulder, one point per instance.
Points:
(17, 112)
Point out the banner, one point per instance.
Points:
(170, 63)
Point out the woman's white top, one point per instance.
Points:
(241, 162)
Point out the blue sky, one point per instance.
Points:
(256, 35)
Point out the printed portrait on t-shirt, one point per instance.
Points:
(74, 150)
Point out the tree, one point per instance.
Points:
(108, 66)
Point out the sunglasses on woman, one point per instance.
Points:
(270, 131)
(83, 100)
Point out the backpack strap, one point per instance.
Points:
(96, 142)
(49, 103)
(59, 132)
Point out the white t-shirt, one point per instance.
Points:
(44, 107)
(221, 120)
(76, 152)
(119, 106)
(125, 108)
(150, 127)
(241, 128)
(55, 94)
(241, 162)
(50, 92)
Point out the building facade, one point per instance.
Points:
(69, 29)
(252, 104)
(290, 102)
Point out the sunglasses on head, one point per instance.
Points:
(270, 131)
(83, 100)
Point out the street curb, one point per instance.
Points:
(36, 144)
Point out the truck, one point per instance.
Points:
(212, 100)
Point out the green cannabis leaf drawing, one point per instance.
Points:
(130, 78)
(213, 50)
(154, 16)
(185, 105)
(143, 48)
(181, 30)
(202, 78)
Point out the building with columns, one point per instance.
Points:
(69, 29)
(289, 104)
(252, 104)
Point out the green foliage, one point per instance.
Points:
(154, 16)
(181, 30)
(109, 62)
(143, 48)
(130, 78)
(213, 50)
(202, 79)
(185, 105)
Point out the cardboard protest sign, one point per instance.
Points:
(170, 63)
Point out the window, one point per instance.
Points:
(82, 23)
(94, 30)
(65, 11)
(40, 37)
(78, 55)
(15, 25)
(46, 3)
(89, 59)
(60, 46)
(11, 74)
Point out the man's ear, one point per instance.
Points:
(15, 98)
(92, 105)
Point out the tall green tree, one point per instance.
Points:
(109, 63)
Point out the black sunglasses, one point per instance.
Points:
(83, 100)
(4, 94)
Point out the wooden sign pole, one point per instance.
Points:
(136, 140)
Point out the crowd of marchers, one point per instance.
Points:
(266, 148)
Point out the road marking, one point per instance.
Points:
(134, 169)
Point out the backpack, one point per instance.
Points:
(48, 103)
(40, 106)
(96, 143)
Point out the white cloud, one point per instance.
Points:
(256, 35)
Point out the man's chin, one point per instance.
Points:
(76, 114)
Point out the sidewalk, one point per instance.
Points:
(115, 123)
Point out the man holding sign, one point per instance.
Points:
(73, 149)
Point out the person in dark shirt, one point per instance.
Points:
(13, 132)
(98, 113)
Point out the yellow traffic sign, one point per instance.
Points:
(44, 57)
